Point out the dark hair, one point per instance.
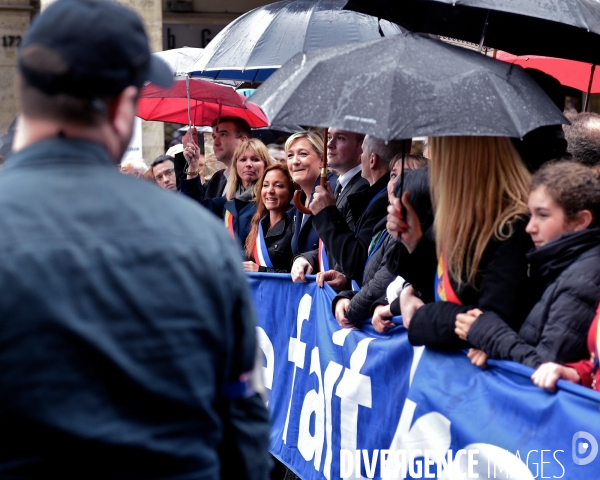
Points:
(241, 125)
(572, 186)
(63, 107)
(417, 183)
(162, 158)
(583, 137)
(386, 150)
(261, 210)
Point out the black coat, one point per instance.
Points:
(556, 328)
(350, 249)
(215, 187)
(376, 279)
(502, 290)
(279, 245)
(356, 184)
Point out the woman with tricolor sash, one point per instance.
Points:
(269, 243)
(475, 255)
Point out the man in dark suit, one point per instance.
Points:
(343, 155)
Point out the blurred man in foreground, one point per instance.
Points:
(127, 332)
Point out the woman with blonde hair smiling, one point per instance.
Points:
(304, 152)
(479, 188)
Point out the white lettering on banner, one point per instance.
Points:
(266, 346)
(431, 431)
(314, 403)
(297, 351)
(354, 390)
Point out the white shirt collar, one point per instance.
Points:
(344, 179)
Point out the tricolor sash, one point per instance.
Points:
(261, 253)
(323, 262)
(443, 288)
(229, 223)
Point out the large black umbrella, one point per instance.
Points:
(555, 28)
(406, 86)
(256, 44)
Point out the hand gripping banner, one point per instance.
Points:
(352, 403)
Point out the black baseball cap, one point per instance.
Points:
(97, 46)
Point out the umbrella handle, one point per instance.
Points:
(297, 200)
(589, 90)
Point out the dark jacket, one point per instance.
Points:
(305, 237)
(125, 315)
(356, 184)
(502, 290)
(242, 210)
(376, 278)
(215, 187)
(556, 328)
(349, 248)
(279, 244)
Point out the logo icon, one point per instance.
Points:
(582, 441)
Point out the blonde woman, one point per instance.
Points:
(475, 259)
(238, 206)
(304, 152)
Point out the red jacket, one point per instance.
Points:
(585, 368)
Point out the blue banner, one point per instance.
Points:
(347, 400)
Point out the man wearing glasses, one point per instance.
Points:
(163, 169)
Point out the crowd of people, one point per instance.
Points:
(491, 245)
(128, 337)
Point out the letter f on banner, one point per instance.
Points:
(297, 352)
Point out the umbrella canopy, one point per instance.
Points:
(568, 72)
(406, 86)
(180, 60)
(256, 44)
(556, 28)
(207, 102)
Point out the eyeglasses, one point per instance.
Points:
(166, 173)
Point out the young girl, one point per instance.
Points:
(564, 203)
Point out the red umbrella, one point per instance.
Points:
(207, 102)
(568, 72)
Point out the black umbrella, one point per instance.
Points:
(555, 28)
(406, 86)
(256, 44)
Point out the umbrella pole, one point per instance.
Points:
(187, 89)
(589, 90)
(402, 207)
(485, 25)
